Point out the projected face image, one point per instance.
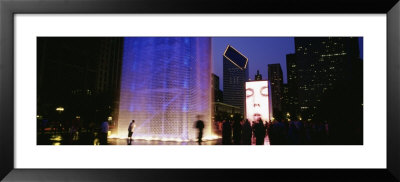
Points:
(257, 105)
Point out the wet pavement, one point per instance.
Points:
(115, 141)
(89, 138)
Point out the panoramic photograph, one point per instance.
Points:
(199, 91)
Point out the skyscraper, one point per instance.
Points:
(258, 76)
(235, 71)
(318, 65)
(80, 74)
(109, 66)
(108, 76)
(291, 92)
(275, 78)
(286, 106)
(215, 87)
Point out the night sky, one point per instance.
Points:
(260, 51)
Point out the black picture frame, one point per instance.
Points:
(9, 8)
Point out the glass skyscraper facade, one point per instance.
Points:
(319, 64)
(235, 71)
(275, 77)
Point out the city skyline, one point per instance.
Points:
(260, 51)
(86, 86)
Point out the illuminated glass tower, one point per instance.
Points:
(235, 71)
(318, 65)
(217, 92)
(165, 84)
(291, 89)
(275, 76)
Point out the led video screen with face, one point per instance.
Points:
(257, 102)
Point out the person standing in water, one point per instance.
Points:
(200, 126)
(131, 128)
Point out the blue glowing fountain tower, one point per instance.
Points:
(165, 84)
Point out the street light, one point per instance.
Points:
(60, 109)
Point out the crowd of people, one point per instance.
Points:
(73, 132)
(279, 132)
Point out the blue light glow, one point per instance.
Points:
(165, 84)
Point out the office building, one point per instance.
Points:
(79, 74)
(275, 78)
(235, 71)
(258, 76)
(217, 93)
(291, 87)
(318, 65)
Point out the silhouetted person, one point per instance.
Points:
(320, 133)
(301, 132)
(104, 133)
(237, 132)
(200, 127)
(42, 125)
(226, 133)
(326, 131)
(246, 133)
(259, 132)
(131, 128)
(293, 134)
(74, 133)
(272, 132)
(307, 133)
(91, 127)
(279, 132)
